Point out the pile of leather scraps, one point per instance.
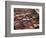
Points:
(26, 18)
